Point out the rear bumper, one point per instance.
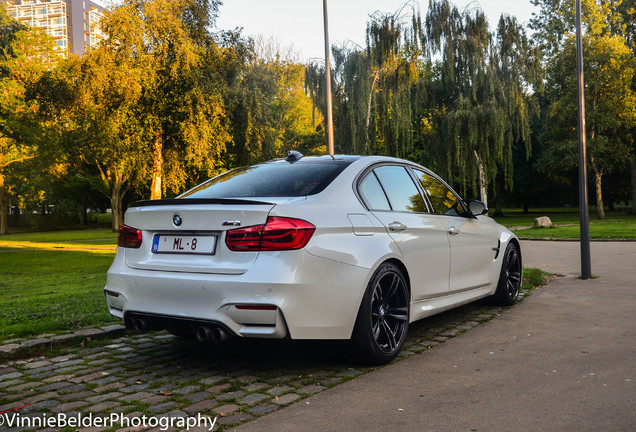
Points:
(313, 297)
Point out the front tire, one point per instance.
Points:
(383, 317)
(510, 277)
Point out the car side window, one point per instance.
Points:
(444, 201)
(400, 189)
(373, 194)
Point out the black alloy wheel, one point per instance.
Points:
(510, 277)
(383, 318)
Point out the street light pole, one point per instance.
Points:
(328, 84)
(586, 264)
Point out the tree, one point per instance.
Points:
(181, 107)
(480, 92)
(273, 110)
(609, 75)
(25, 54)
(610, 108)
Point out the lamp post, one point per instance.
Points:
(586, 264)
(328, 86)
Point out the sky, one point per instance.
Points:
(299, 23)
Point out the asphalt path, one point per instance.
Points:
(562, 360)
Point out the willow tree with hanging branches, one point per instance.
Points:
(480, 89)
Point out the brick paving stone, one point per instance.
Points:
(262, 409)
(201, 406)
(278, 390)
(32, 343)
(90, 332)
(96, 355)
(111, 386)
(17, 396)
(76, 368)
(46, 374)
(134, 388)
(350, 373)
(7, 370)
(40, 397)
(286, 398)
(74, 396)
(106, 380)
(100, 407)
(9, 348)
(440, 339)
(103, 397)
(198, 396)
(135, 396)
(255, 387)
(63, 337)
(70, 362)
(226, 409)
(73, 389)
(231, 395)
(45, 404)
(219, 388)
(212, 380)
(162, 407)
(86, 378)
(450, 333)
(173, 414)
(21, 387)
(247, 379)
(55, 386)
(37, 364)
(68, 406)
(254, 398)
(186, 389)
(153, 399)
(62, 358)
(310, 389)
(57, 378)
(98, 362)
(236, 418)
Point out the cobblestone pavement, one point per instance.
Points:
(161, 376)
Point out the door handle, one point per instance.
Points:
(452, 230)
(397, 226)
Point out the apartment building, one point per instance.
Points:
(74, 24)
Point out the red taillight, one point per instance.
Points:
(129, 237)
(277, 234)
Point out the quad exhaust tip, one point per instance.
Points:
(202, 332)
(214, 334)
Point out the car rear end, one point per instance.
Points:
(236, 264)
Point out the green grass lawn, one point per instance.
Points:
(618, 225)
(48, 291)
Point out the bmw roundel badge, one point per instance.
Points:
(176, 220)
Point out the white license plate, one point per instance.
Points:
(198, 244)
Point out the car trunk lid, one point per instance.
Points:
(188, 235)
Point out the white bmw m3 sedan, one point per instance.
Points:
(351, 248)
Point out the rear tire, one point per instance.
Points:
(383, 317)
(510, 277)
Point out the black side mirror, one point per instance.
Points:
(476, 208)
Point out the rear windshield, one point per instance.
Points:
(275, 179)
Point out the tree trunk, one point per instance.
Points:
(368, 119)
(482, 179)
(634, 183)
(599, 195)
(116, 206)
(157, 167)
(498, 196)
(82, 215)
(4, 208)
